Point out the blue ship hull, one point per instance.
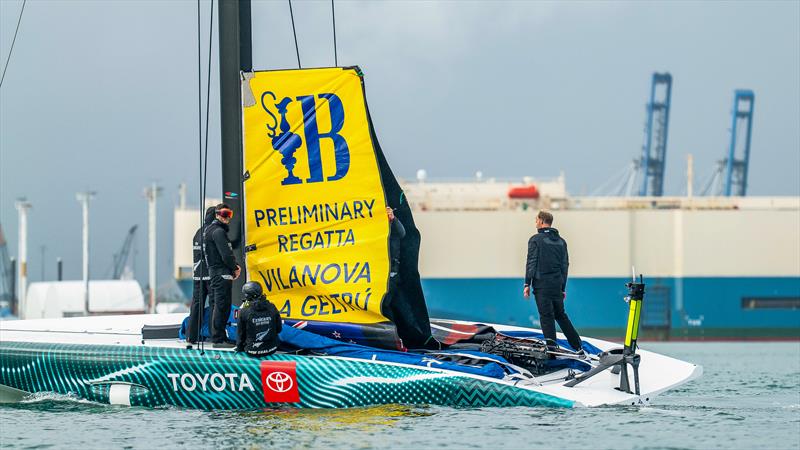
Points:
(675, 308)
(713, 307)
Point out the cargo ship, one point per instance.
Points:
(720, 267)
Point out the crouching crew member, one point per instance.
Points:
(223, 269)
(259, 323)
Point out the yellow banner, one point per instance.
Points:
(316, 226)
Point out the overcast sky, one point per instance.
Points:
(102, 95)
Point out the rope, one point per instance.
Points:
(201, 301)
(201, 305)
(10, 50)
(294, 31)
(203, 156)
(200, 115)
(333, 16)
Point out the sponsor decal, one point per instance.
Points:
(279, 381)
(230, 194)
(190, 382)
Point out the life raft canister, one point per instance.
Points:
(529, 191)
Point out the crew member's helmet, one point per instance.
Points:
(252, 291)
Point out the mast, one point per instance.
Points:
(235, 56)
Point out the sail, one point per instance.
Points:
(315, 196)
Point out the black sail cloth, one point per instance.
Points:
(409, 311)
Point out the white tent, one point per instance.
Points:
(66, 298)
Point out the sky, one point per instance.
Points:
(103, 96)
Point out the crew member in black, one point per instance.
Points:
(259, 323)
(546, 272)
(396, 234)
(223, 270)
(200, 279)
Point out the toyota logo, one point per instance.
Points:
(279, 382)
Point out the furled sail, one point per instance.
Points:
(315, 192)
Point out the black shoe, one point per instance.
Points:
(223, 345)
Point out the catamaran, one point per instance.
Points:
(315, 186)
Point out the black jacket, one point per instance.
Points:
(199, 269)
(219, 252)
(548, 261)
(259, 325)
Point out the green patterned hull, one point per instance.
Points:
(162, 376)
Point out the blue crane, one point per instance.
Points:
(654, 150)
(738, 160)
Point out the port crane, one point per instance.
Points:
(121, 258)
(738, 160)
(654, 150)
(650, 165)
(730, 175)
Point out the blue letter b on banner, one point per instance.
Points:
(341, 151)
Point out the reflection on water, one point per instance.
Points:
(324, 420)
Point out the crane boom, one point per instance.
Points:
(121, 258)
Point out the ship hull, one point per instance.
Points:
(711, 308)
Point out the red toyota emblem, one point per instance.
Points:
(279, 381)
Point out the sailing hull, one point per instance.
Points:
(104, 359)
(153, 376)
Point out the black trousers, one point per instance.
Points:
(199, 294)
(551, 309)
(221, 301)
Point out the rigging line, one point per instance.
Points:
(10, 50)
(200, 115)
(201, 300)
(205, 162)
(294, 31)
(335, 54)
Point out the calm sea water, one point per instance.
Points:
(749, 397)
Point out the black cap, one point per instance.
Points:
(252, 290)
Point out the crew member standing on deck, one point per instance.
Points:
(223, 270)
(396, 234)
(259, 323)
(546, 274)
(200, 280)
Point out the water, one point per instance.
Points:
(749, 397)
